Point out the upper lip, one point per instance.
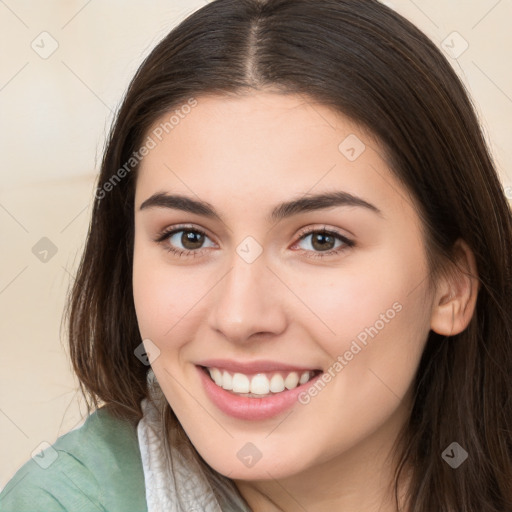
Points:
(253, 366)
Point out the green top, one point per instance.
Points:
(96, 467)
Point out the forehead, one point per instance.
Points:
(264, 147)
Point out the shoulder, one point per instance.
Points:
(96, 467)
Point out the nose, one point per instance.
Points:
(248, 302)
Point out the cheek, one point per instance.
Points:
(346, 300)
(167, 297)
(154, 293)
(373, 316)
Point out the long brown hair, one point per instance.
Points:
(369, 63)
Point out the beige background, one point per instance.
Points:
(55, 113)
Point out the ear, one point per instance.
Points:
(455, 299)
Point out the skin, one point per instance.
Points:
(243, 155)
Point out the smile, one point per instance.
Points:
(254, 391)
(261, 384)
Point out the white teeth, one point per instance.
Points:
(276, 383)
(227, 380)
(259, 384)
(291, 381)
(240, 383)
(216, 376)
(304, 378)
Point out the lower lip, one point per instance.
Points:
(246, 408)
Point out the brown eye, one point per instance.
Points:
(323, 243)
(191, 239)
(183, 241)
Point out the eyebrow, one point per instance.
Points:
(284, 210)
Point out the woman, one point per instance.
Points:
(295, 293)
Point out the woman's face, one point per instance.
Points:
(302, 259)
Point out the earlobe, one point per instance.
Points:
(455, 301)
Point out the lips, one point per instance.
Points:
(252, 367)
(254, 390)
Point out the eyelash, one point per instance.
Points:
(164, 235)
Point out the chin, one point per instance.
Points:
(247, 462)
